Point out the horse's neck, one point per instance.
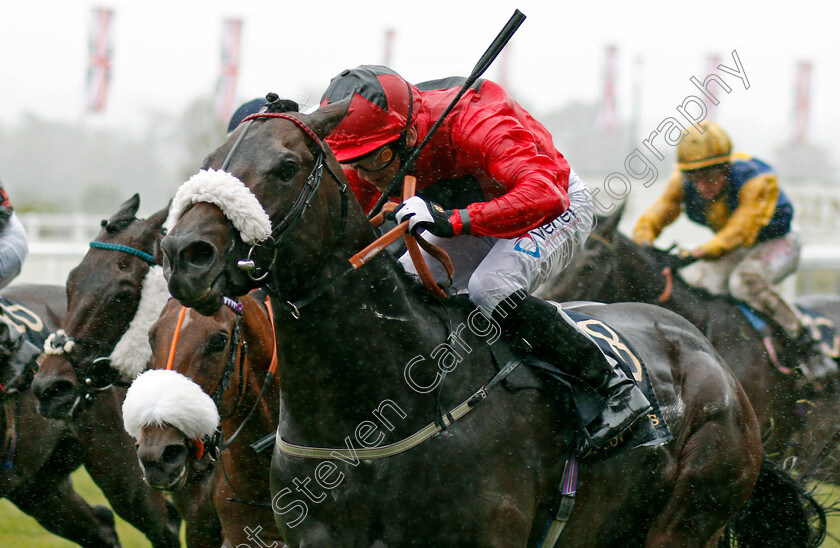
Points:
(645, 281)
(348, 353)
(258, 343)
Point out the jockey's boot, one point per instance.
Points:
(554, 341)
(818, 363)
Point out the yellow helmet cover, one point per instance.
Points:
(698, 150)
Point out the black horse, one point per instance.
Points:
(38, 455)
(363, 350)
(629, 272)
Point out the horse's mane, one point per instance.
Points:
(663, 258)
(411, 282)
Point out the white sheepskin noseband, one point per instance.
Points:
(231, 195)
(159, 397)
(132, 353)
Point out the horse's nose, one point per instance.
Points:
(163, 467)
(55, 396)
(187, 262)
(184, 253)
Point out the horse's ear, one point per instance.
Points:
(607, 226)
(324, 120)
(158, 218)
(124, 215)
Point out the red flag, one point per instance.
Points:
(802, 106)
(231, 52)
(100, 46)
(608, 118)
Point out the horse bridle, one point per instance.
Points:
(212, 445)
(62, 344)
(301, 203)
(667, 272)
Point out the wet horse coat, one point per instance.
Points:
(104, 296)
(232, 369)
(35, 475)
(345, 359)
(628, 272)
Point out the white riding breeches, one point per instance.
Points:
(13, 250)
(491, 269)
(749, 274)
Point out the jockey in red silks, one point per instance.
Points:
(498, 197)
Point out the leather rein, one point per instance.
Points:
(215, 444)
(302, 203)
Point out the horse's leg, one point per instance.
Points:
(63, 512)
(111, 460)
(717, 467)
(195, 505)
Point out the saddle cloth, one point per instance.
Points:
(652, 431)
(822, 331)
(30, 325)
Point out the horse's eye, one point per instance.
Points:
(217, 342)
(287, 170)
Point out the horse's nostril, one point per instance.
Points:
(55, 391)
(173, 456)
(199, 254)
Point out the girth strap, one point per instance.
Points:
(406, 443)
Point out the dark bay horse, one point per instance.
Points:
(228, 356)
(38, 455)
(362, 352)
(613, 268)
(95, 348)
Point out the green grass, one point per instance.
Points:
(829, 496)
(18, 530)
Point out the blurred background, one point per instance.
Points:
(99, 101)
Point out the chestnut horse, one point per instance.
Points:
(229, 356)
(37, 455)
(113, 296)
(359, 346)
(629, 272)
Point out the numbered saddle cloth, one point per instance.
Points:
(616, 348)
(30, 325)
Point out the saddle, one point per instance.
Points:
(824, 339)
(586, 403)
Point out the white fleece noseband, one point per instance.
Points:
(132, 353)
(236, 201)
(159, 397)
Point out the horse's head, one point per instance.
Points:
(613, 268)
(259, 207)
(198, 374)
(103, 294)
(18, 359)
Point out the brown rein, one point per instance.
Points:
(413, 244)
(198, 443)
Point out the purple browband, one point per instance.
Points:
(235, 306)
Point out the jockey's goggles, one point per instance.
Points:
(377, 160)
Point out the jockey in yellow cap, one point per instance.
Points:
(738, 197)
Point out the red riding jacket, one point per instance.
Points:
(518, 182)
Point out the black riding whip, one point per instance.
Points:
(489, 56)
